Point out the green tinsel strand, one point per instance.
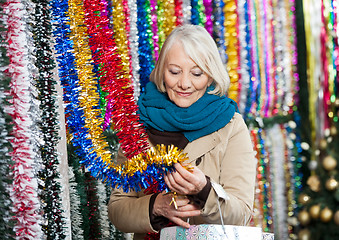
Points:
(73, 161)
(6, 220)
(45, 84)
(202, 16)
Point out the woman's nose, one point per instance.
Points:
(184, 82)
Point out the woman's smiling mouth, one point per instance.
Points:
(184, 94)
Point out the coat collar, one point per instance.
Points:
(200, 146)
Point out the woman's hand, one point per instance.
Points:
(186, 182)
(164, 207)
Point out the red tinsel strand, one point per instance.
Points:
(178, 12)
(132, 135)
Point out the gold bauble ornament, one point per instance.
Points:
(329, 163)
(303, 198)
(336, 217)
(304, 217)
(331, 184)
(304, 234)
(326, 215)
(323, 144)
(315, 211)
(314, 183)
(333, 130)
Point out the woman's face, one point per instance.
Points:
(184, 81)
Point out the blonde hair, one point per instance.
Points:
(201, 48)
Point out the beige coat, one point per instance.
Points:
(227, 157)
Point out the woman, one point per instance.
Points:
(185, 105)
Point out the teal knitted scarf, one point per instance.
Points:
(207, 115)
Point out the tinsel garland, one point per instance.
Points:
(154, 26)
(292, 97)
(94, 231)
(6, 221)
(166, 20)
(267, 75)
(75, 206)
(261, 47)
(269, 69)
(231, 42)
(208, 13)
(88, 96)
(86, 215)
(186, 11)
(279, 176)
(134, 46)
(263, 202)
(276, 146)
(281, 57)
(47, 95)
(244, 58)
(102, 210)
(294, 174)
(219, 29)
(326, 41)
(197, 13)
(113, 80)
(121, 31)
(312, 15)
(253, 102)
(69, 80)
(81, 217)
(26, 205)
(179, 12)
(145, 51)
(142, 169)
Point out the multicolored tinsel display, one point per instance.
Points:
(24, 196)
(321, 192)
(323, 61)
(48, 123)
(106, 51)
(279, 177)
(266, 58)
(94, 42)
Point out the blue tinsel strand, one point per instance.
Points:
(145, 47)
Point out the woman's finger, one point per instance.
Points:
(174, 185)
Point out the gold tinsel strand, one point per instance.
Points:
(120, 36)
(231, 42)
(88, 94)
(159, 155)
(166, 19)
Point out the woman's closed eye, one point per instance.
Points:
(197, 74)
(174, 72)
